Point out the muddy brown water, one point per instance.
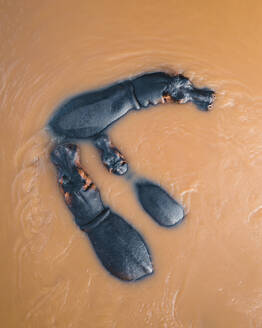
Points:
(208, 271)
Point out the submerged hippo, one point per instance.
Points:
(120, 248)
(88, 115)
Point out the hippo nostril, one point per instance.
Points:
(65, 179)
(120, 168)
(70, 147)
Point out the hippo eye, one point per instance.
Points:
(66, 180)
(55, 153)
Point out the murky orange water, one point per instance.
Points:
(208, 271)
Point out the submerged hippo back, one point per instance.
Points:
(89, 113)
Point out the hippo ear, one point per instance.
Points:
(120, 248)
(165, 210)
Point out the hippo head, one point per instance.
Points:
(65, 157)
(182, 90)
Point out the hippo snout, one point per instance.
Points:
(203, 98)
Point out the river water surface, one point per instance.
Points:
(208, 271)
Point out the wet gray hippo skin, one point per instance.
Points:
(87, 115)
(119, 247)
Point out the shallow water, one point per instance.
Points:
(208, 271)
